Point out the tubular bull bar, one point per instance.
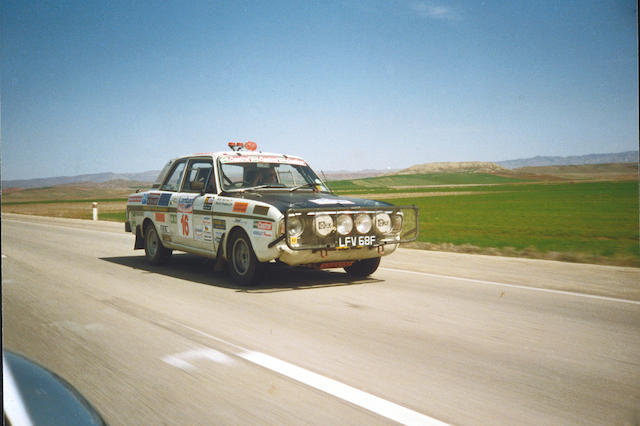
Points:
(403, 230)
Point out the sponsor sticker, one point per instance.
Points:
(166, 237)
(262, 159)
(261, 210)
(185, 205)
(135, 199)
(164, 229)
(152, 199)
(219, 224)
(263, 225)
(324, 201)
(159, 217)
(144, 198)
(164, 199)
(208, 202)
(206, 228)
(173, 218)
(240, 207)
(198, 232)
(223, 202)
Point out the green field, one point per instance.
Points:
(382, 183)
(113, 216)
(594, 219)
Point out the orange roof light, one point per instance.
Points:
(249, 146)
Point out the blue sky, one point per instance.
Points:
(101, 86)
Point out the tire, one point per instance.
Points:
(363, 268)
(156, 253)
(244, 267)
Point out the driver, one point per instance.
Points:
(264, 176)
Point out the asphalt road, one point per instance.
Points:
(430, 337)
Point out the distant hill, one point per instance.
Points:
(613, 171)
(620, 157)
(351, 174)
(148, 176)
(453, 167)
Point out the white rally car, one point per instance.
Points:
(247, 208)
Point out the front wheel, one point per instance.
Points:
(156, 253)
(363, 268)
(244, 267)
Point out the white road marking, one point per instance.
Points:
(524, 287)
(335, 388)
(181, 360)
(347, 393)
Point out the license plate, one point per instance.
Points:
(357, 241)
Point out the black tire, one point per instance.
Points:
(156, 253)
(244, 267)
(363, 268)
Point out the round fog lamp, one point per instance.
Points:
(323, 224)
(383, 222)
(344, 224)
(294, 226)
(363, 223)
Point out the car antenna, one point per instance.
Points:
(326, 182)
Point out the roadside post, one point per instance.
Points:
(95, 211)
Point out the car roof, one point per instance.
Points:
(239, 154)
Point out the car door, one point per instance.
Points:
(164, 205)
(194, 227)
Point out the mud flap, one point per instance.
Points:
(220, 262)
(139, 244)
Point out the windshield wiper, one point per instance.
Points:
(266, 185)
(306, 185)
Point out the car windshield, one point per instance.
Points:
(242, 173)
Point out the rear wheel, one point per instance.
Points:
(363, 268)
(244, 267)
(156, 253)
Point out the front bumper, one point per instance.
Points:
(305, 257)
(399, 225)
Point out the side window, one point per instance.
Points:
(172, 183)
(199, 176)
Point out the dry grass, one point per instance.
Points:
(73, 210)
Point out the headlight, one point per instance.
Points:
(397, 222)
(344, 224)
(363, 223)
(294, 226)
(323, 224)
(383, 223)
